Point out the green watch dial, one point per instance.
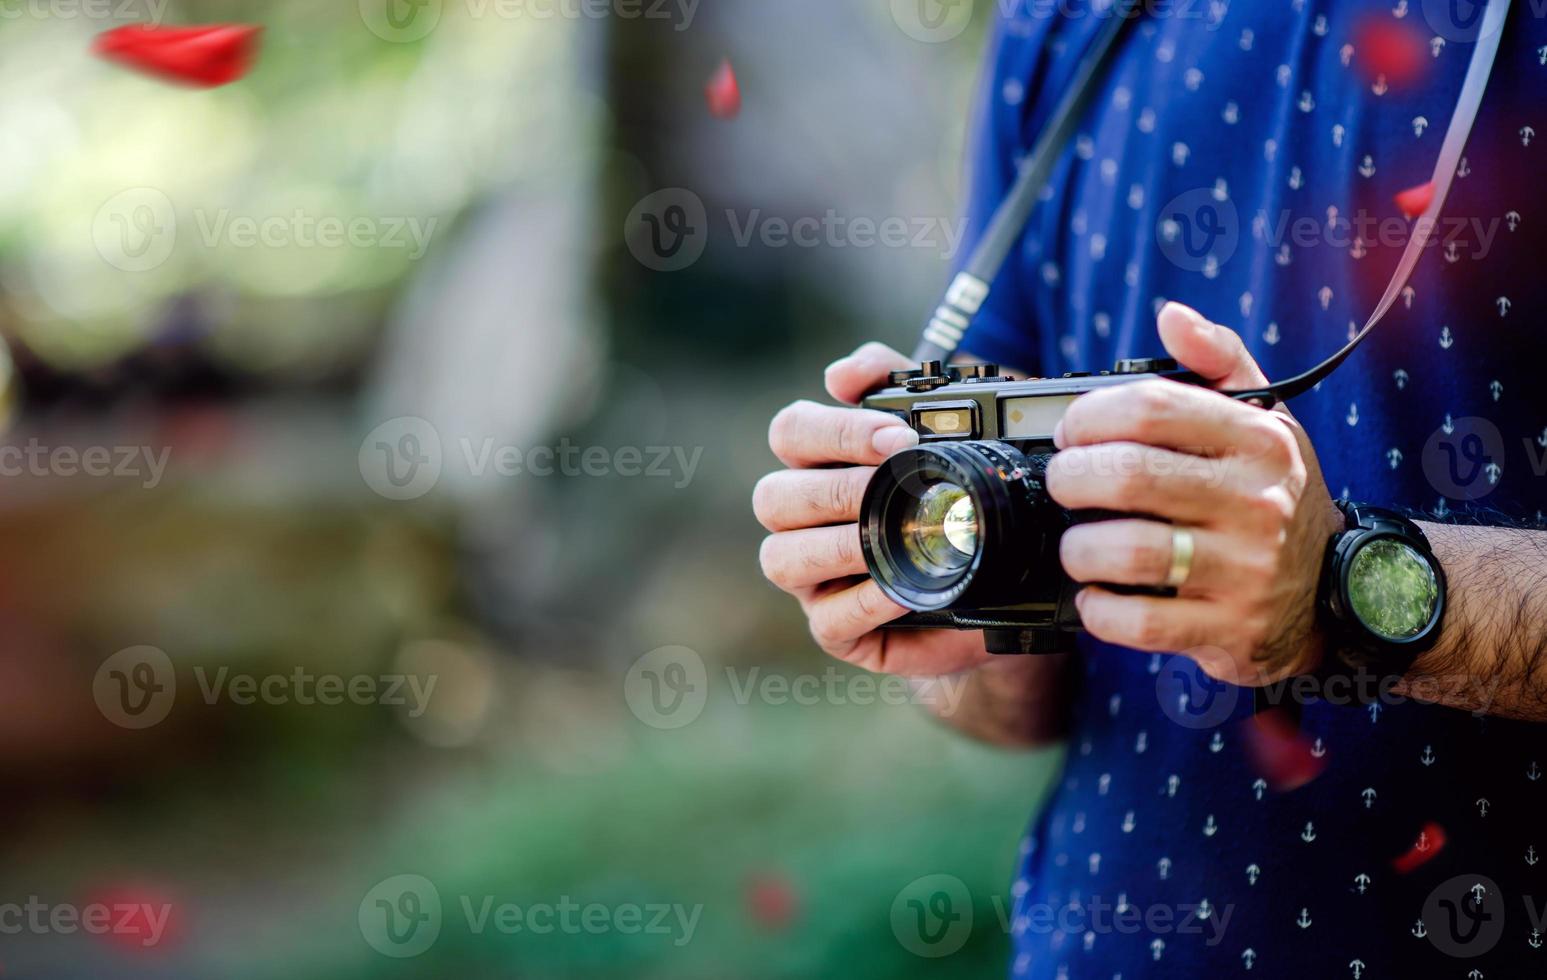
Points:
(1392, 589)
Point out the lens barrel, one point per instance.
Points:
(914, 526)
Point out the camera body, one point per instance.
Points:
(960, 529)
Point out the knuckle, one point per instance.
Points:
(848, 434)
(1148, 560)
(1149, 628)
(1131, 486)
(845, 547)
(782, 430)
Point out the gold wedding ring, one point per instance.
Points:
(1181, 558)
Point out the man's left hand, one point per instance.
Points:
(1245, 482)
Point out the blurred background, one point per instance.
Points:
(381, 429)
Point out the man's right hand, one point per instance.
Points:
(812, 508)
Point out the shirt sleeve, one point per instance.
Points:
(1004, 331)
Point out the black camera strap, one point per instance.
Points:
(971, 286)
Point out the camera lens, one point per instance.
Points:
(942, 534)
(965, 524)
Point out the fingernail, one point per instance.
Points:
(1058, 434)
(894, 438)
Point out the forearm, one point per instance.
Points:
(1018, 701)
(1491, 655)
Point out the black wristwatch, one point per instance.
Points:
(1382, 594)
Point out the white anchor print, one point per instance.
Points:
(1173, 782)
(1526, 135)
(1368, 796)
(1400, 376)
(1337, 134)
(1295, 178)
(1217, 742)
(1136, 196)
(1128, 823)
(1419, 125)
(1232, 113)
(1253, 872)
(1346, 54)
(1248, 957)
(1400, 10)
(1283, 75)
(1531, 858)
(1362, 882)
(1482, 809)
(1463, 169)
(1271, 335)
(1394, 457)
(1210, 828)
(1324, 297)
(1380, 87)
(1449, 425)
(1306, 103)
(1496, 389)
(1419, 929)
(1356, 965)
(1247, 37)
(1157, 947)
(1367, 168)
(1447, 340)
(1179, 154)
(1512, 219)
(1533, 771)
(1428, 756)
(1283, 256)
(1309, 833)
(1164, 867)
(1503, 303)
(1317, 748)
(1407, 296)
(1259, 786)
(1436, 45)
(1304, 920)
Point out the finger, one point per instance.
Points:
(807, 434)
(1215, 352)
(840, 618)
(1134, 552)
(790, 499)
(1136, 479)
(1175, 416)
(850, 378)
(919, 653)
(810, 556)
(1150, 623)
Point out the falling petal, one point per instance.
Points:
(1390, 49)
(1415, 200)
(205, 56)
(1428, 845)
(770, 900)
(1279, 752)
(723, 92)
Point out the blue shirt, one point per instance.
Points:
(1244, 158)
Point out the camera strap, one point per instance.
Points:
(971, 286)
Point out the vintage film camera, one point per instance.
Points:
(961, 529)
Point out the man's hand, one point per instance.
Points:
(812, 508)
(1244, 481)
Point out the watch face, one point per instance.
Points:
(1392, 589)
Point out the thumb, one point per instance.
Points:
(1215, 352)
(851, 378)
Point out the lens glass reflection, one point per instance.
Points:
(940, 536)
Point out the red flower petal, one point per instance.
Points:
(770, 899)
(205, 56)
(1280, 752)
(723, 92)
(1428, 846)
(1415, 200)
(1391, 48)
